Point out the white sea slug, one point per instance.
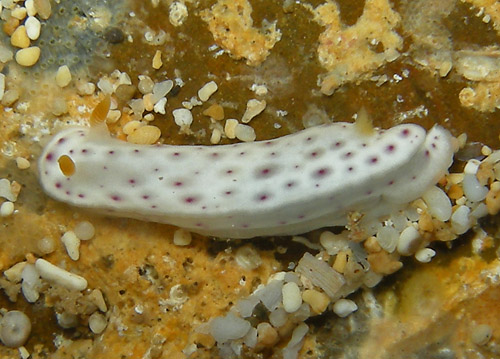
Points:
(293, 184)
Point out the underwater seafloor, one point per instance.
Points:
(425, 61)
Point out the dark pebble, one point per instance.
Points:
(114, 35)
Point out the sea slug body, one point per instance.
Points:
(293, 184)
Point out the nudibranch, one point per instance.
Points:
(293, 184)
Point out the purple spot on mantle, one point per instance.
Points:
(81, 195)
(111, 152)
(61, 140)
(322, 172)
(390, 148)
(302, 216)
(176, 154)
(178, 184)
(84, 150)
(228, 193)
(145, 196)
(405, 132)
(373, 160)
(348, 154)
(242, 153)
(190, 200)
(58, 185)
(68, 193)
(49, 157)
(131, 181)
(290, 184)
(427, 153)
(390, 183)
(116, 198)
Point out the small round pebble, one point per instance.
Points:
(114, 35)
(292, 298)
(408, 241)
(22, 163)
(46, 245)
(97, 323)
(15, 328)
(84, 230)
(28, 57)
(72, 244)
(6, 209)
(145, 135)
(182, 117)
(481, 334)
(248, 257)
(244, 133)
(207, 90)
(20, 38)
(425, 255)
(344, 307)
(63, 76)
(182, 237)
(33, 27)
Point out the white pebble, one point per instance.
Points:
(387, 237)
(14, 273)
(230, 127)
(247, 257)
(97, 323)
(105, 86)
(30, 7)
(425, 255)
(460, 221)
(292, 299)
(161, 89)
(46, 245)
(207, 90)
(182, 117)
(31, 283)
(23, 352)
(159, 106)
(182, 237)
(63, 76)
(481, 334)
(72, 244)
(22, 163)
(54, 274)
(254, 107)
(6, 209)
(438, 203)
(177, 13)
(15, 328)
(84, 230)
(244, 133)
(473, 189)
(33, 27)
(472, 166)
(344, 307)
(6, 190)
(408, 241)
